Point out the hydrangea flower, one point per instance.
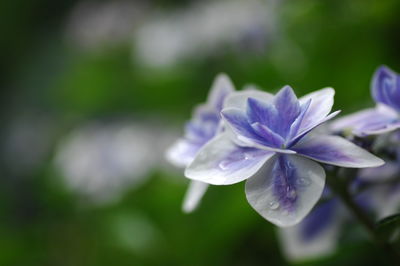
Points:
(385, 117)
(267, 141)
(386, 180)
(318, 234)
(205, 124)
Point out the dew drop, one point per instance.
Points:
(224, 165)
(273, 205)
(303, 181)
(291, 194)
(247, 156)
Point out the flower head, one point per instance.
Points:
(386, 182)
(205, 124)
(267, 141)
(385, 117)
(319, 233)
(316, 235)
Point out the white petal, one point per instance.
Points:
(296, 249)
(246, 142)
(222, 86)
(309, 181)
(372, 121)
(336, 150)
(321, 105)
(387, 110)
(181, 153)
(239, 99)
(388, 128)
(222, 162)
(193, 195)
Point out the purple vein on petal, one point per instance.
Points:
(288, 108)
(294, 128)
(284, 188)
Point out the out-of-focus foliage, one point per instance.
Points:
(51, 85)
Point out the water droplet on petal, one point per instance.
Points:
(273, 205)
(248, 156)
(291, 194)
(224, 165)
(303, 181)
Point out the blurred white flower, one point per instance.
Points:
(165, 37)
(202, 29)
(102, 161)
(94, 24)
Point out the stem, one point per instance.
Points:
(339, 187)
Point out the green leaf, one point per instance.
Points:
(389, 227)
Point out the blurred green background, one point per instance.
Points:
(89, 70)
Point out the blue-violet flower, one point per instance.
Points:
(385, 117)
(205, 124)
(267, 141)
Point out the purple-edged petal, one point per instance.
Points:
(243, 134)
(246, 142)
(193, 196)
(264, 113)
(288, 107)
(295, 127)
(221, 88)
(202, 127)
(356, 121)
(268, 135)
(382, 130)
(286, 189)
(239, 99)
(221, 162)
(321, 105)
(303, 133)
(182, 152)
(336, 151)
(371, 121)
(237, 121)
(386, 87)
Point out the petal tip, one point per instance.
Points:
(187, 208)
(329, 90)
(378, 162)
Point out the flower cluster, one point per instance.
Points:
(272, 142)
(204, 126)
(385, 117)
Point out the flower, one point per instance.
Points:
(203, 29)
(385, 117)
(317, 235)
(205, 124)
(101, 161)
(267, 141)
(385, 180)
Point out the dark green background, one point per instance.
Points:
(42, 223)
